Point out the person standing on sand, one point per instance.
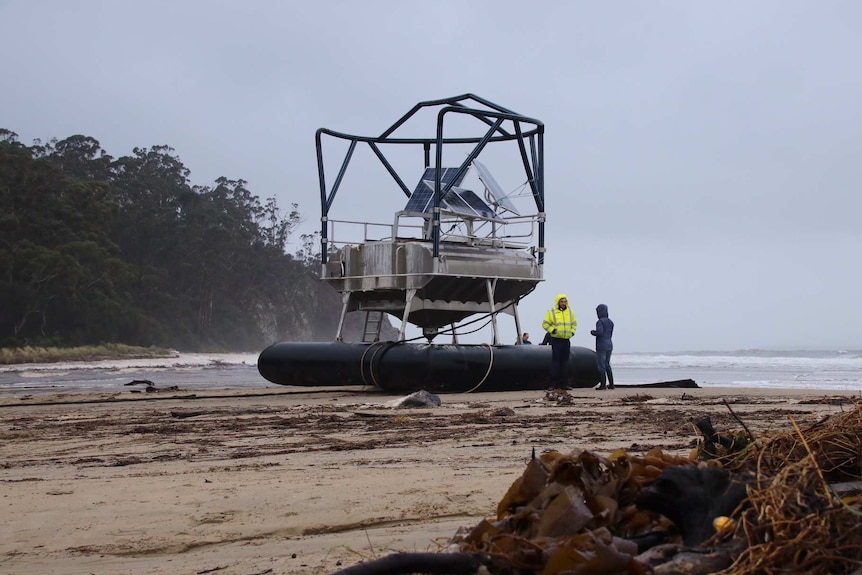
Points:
(560, 323)
(604, 333)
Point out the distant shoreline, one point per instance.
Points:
(31, 354)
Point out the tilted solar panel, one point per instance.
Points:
(422, 198)
(469, 204)
(495, 189)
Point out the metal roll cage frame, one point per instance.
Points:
(494, 117)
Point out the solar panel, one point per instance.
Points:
(455, 203)
(469, 204)
(495, 189)
(422, 198)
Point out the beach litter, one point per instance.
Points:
(150, 386)
(788, 503)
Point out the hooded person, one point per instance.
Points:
(604, 333)
(560, 323)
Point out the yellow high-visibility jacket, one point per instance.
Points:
(560, 323)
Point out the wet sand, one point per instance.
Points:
(307, 482)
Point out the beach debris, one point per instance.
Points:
(559, 396)
(575, 512)
(187, 414)
(846, 488)
(833, 400)
(371, 414)
(405, 563)
(794, 520)
(419, 398)
(715, 444)
(674, 559)
(674, 384)
(150, 386)
(637, 398)
(693, 497)
(788, 503)
(144, 382)
(211, 570)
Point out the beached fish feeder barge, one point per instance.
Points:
(451, 253)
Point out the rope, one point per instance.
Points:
(485, 317)
(490, 365)
(378, 346)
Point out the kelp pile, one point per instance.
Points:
(804, 510)
(787, 504)
(573, 512)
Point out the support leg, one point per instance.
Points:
(345, 299)
(411, 293)
(517, 322)
(489, 285)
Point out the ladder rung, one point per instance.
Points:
(373, 323)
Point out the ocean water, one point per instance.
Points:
(187, 371)
(800, 369)
(797, 369)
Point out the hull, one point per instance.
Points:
(408, 367)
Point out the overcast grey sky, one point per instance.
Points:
(702, 158)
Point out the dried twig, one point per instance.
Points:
(737, 418)
(819, 471)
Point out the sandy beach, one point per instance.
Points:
(307, 482)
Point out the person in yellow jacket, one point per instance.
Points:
(561, 324)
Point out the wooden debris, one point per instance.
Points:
(434, 563)
(792, 503)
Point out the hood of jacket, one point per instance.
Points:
(558, 298)
(602, 310)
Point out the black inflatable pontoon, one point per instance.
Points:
(408, 367)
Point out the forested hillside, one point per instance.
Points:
(96, 249)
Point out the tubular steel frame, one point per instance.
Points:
(493, 116)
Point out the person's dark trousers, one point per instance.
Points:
(603, 361)
(560, 362)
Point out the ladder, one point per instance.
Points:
(371, 329)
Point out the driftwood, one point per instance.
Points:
(144, 382)
(150, 386)
(677, 383)
(186, 414)
(697, 562)
(430, 563)
(716, 444)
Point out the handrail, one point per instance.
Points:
(492, 239)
